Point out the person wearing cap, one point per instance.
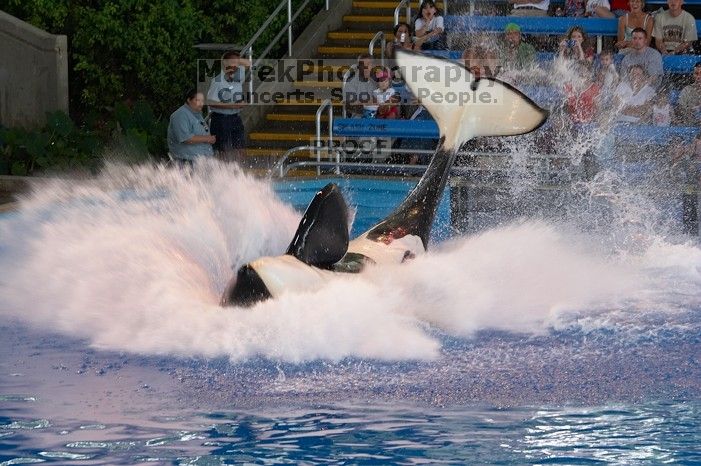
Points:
(514, 53)
(529, 7)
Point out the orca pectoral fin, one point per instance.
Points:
(465, 107)
(321, 239)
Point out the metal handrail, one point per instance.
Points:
(248, 48)
(326, 103)
(407, 4)
(280, 164)
(371, 46)
(346, 75)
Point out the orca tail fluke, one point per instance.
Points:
(464, 107)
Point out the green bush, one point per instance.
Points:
(59, 145)
(132, 50)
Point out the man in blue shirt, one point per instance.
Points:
(225, 99)
(188, 134)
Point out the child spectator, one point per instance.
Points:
(637, 18)
(661, 110)
(675, 29)
(607, 74)
(429, 27)
(385, 96)
(634, 96)
(575, 46)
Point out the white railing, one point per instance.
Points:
(397, 11)
(371, 46)
(287, 28)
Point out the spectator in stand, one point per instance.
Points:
(582, 96)
(429, 27)
(575, 46)
(689, 103)
(359, 88)
(481, 61)
(529, 7)
(225, 99)
(647, 57)
(402, 40)
(514, 53)
(619, 7)
(675, 29)
(188, 134)
(599, 9)
(662, 113)
(637, 18)
(634, 96)
(385, 96)
(575, 8)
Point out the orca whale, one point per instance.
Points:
(464, 107)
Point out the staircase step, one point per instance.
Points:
(368, 19)
(354, 35)
(332, 50)
(313, 102)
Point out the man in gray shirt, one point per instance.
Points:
(647, 57)
(188, 134)
(359, 88)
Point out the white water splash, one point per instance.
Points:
(137, 260)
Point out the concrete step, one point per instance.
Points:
(379, 19)
(307, 103)
(354, 35)
(343, 51)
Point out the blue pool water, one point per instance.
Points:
(533, 342)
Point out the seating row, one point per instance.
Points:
(670, 63)
(534, 25)
(427, 129)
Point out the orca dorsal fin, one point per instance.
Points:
(321, 239)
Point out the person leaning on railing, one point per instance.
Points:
(188, 133)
